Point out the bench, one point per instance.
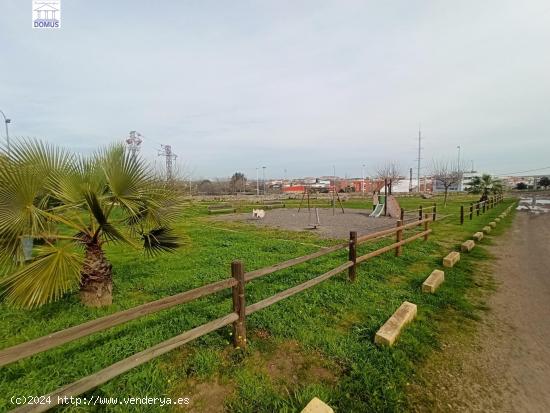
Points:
(272, 204)
(220, 208)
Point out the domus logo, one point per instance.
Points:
(46, 14)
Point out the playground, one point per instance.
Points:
(335, 222)
(330, 223)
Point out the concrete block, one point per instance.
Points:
(389, 332)
(487, 229)
(317, 406)
(451, 259)
(433, 281)
(478, 236)
(467, 246)
(492, 224)
(497, 220)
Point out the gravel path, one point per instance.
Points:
(506, 367)
(338, 225)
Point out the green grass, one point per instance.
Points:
(330, 326)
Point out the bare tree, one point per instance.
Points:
(447, 174)
(390, 173)
(238, 182)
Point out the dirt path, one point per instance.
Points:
(506, 366)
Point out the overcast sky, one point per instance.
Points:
(295, 85)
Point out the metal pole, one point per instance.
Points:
(458, 169)
(419, 153)
(257, 183)
(333, 189)
(6, 121)
(363, 180)
(263, 176)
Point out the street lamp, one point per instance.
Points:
(257, 183)
(6, 121)
(363, 180)
(458, 169)
(263, 176)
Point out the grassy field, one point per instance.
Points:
(318, 343)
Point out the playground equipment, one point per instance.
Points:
(317, 223)
(379, 208)
(389, 206)
(392, 207)
(334, 194)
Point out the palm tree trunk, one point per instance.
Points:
(96, 282)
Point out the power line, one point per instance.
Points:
(521, 172)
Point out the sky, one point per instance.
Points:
(295, 86)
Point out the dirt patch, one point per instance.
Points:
(337, 225)
(504, 364)
(207, 396)
(288, 365)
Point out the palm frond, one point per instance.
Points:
(127, 176)
(54, 272)
(44, 158)
(109, 230)
(69, 186)
(21, 190)
(159, 240)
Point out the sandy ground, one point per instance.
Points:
(506, 367)
(338, 225)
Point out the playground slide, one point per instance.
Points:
(377, 211)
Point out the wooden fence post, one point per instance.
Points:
(420, 213)
(426, 226)
(461, 214)
(434, 214)
(398, 238)
(402, 215)
(352, 271)
(471, 210)
(484, 206)
(239, 306)
(477, 209)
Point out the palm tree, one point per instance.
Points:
(71, 206)
(485, 185)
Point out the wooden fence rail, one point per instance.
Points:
(481, 206)
(237, 318)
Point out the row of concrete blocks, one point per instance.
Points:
(488, 228)
(388, 333)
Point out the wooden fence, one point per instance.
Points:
(237, 317)
(480, 207)
(419, 213)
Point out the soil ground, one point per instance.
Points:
(506, 367)
(338, 225)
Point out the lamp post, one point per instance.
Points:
(458, 170)
(6, 121)
(263, 177)
(257, 183)
(363, 180)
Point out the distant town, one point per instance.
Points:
(240, 184)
